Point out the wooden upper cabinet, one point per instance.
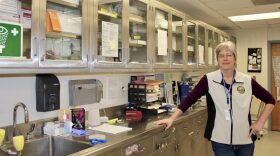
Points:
(162, 33)
(19, 34)
(215, 43)
(72, 35)
(139, 37)
(201, 45)
(110, 33)
(177, 40)
(63, 33)
(191, 28)
(210, 47)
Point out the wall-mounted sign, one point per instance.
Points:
(254, 60)
(10, 39)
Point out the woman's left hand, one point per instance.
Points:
(255, 128)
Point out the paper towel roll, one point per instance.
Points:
(93, 117)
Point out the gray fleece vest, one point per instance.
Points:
(238, 127)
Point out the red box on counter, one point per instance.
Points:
(133, 115)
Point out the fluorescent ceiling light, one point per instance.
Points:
(253, 17)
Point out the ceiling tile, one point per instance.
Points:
(212, 0)
(273, 21)
(267, 8)
(241, 11)
(264, 2)
(252, 24)
(229, 4)
(250, 10)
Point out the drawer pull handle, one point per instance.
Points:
(185, 128)
(191, 133)
(140, 148)
(135, 148)
(168, 134)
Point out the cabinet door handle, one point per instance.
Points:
(43, 58)
(149, 61)
(35, 40)
(191, 133)
(127, 60)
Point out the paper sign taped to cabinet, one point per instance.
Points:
(162, 42)
(110, 32)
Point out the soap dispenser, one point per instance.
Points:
(67, 129)
(47, 92)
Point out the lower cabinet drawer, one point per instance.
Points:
(163, 139)
(114, 152)
(138, 148)
(169, 150)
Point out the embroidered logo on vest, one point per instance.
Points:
(241, 89)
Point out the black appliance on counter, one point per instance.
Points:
(47, 92)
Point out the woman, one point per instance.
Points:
(228, 93)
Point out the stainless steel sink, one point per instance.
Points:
(51, 146)
(61, 146)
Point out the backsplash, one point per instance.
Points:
(21, 88)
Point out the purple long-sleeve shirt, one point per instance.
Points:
(202, 88)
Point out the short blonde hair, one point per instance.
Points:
(228, 45)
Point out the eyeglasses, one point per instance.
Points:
(225, 56)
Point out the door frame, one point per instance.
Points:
(269, 66)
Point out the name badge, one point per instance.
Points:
(227, 114)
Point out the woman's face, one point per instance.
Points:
(226, 60)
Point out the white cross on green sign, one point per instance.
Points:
(10, 39)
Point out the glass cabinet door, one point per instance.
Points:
(215, 43)
(19, 33)
(110, 33)
(177, 40)
(191, 39)
(138, 32)
(65, 42)
(226, 38)
(201, 45)
(210, 47)
(233, 39)
(222, 38)
(161, 33)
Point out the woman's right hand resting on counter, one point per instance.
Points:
(166, 122)
(169, 121)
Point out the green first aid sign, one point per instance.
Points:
(10, 39)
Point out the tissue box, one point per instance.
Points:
(53, 129)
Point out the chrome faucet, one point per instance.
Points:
(26, 118)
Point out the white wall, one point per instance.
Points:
(253, 38)
(256, 38)
(274, 34)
